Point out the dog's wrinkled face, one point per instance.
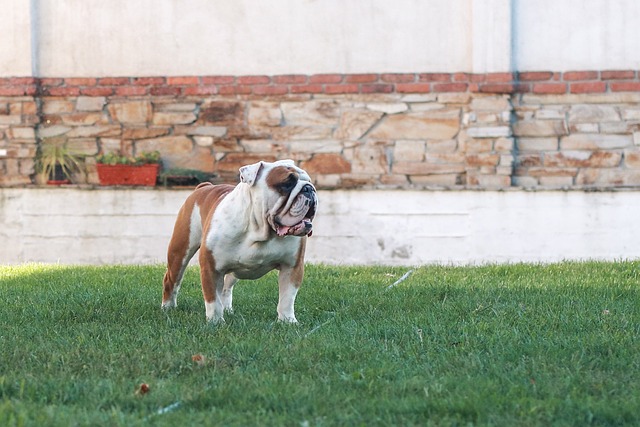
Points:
(290, 198)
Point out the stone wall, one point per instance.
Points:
(414, 130)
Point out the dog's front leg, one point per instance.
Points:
(289, 281)
(212, 284)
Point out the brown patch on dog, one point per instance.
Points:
(282, 179)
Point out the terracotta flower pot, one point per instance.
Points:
(128, 174)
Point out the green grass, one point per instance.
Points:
(493, 345)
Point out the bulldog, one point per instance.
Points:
(243, 232)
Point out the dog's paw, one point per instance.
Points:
(287, 319)
(216, 320)
(166, 305)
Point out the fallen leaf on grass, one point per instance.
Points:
(142, 389)
(199, 359)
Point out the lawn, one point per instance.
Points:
(491, 345)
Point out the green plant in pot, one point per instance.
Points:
(120, 169)
(57, 162)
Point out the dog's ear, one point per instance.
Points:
(249, 173)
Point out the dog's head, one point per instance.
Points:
(289, 197)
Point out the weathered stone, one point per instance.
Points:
(556, 181)
(130, 112)
(490, 103)
(477, 145)
(173, 118)
(110, 145)
(589, 113)
(454, 98)
(632, 159)
(203, 141)
(506, 160)
(168, 145)
(478, 160)
(215, 131)
(144, 133)
(232, 162)
(311, 113)
(52, 131)
(355, 124)
(390, 108)
(503, 144)
(540, 128)
(583, 128)
(630, 113)
(544, 171)
(175, 106)
(327, 163)
(21, 133)
(426, 106)
(328, 146)
(87, 147)
(537, 144)
(455, 157)
(489, 132)
(412, 151)
(569, 99)
(264, 114)
(489, 181)
(201, 159)
(327, 181)
(10, 120)
(609, 177)
(389, 180)
(442, 146)
(221, 113)
(551, 113)
(440, 180)
(369, 158)
(525, 181)
(595, 142)
(261, 146)
(529, 160)
(595, 159)
(419, 97)
(288, 133)
(56, 106)
(90, 103)
(83, 119)
(226, 145)
(636, 138)
(423, 168)
(440, 124)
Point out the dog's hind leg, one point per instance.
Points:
(227, 292)
(184, 243)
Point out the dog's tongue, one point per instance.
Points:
(294, 216)
(284, 230)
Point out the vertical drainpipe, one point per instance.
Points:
(34, 15)
(513, 62)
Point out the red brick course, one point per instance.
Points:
(538, 82)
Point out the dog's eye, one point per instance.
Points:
(289, 183)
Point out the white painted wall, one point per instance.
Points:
(243, 37)
(562, 35)
(75, 226)
(15, 41)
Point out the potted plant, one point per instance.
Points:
(57, 162)
(119, 169)
(184, 177)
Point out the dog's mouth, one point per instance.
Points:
(297, 221)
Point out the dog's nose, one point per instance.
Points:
(307, 189)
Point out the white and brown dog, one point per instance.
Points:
(243, 232)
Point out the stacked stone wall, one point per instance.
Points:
(438, 130)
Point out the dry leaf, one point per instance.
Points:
(142, 389)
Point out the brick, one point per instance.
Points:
(131, 90)
(199, 90)
(413, 87)
(290, 79)
(579, 75)
(63, 91)
(361, 78)
(254, 80)
(165, 91)
(552, 88)
(311, 88)
(235, 90)
(325, 78)
(376, 88)
(113, 81)
(270, 90)
(589, 87)
(51, 81)
(183, 81)
(341, 89)
(499, 77)
(461, 77)
(497, 88)
(218, 80)
(618, 75)
(450, 87)
(434, 77)
(99, 91)
(73, 81)
(146, 81)
(398, 78)
(625, 86)
(535, 76)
